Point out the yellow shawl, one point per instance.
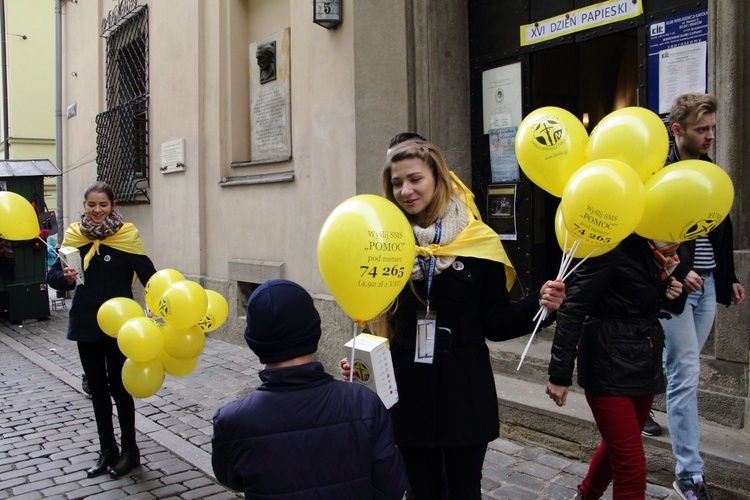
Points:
(476, 240)
(125, 240)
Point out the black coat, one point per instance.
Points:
(109, 275)
(722, 242)
(609, 320)
(303, 435)
(453, 401)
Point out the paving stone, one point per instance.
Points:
(49, 426)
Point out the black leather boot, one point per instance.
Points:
(129, 460)
(107, 458)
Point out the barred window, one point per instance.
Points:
(122, 131)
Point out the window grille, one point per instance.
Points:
(122, 131)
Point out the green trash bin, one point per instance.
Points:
(23, 274)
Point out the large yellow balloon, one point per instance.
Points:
(183, 304)
(140, 339)
(158, 284)
(566, 240)
(115, 312)
(635, 136)
(178, 367)
(366, 252)
(216, 312)
(18, 219)
(183, 343)
(685, 200)
(550, 145)
(143, 379)
(603, 202)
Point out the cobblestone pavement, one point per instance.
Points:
(48, 435)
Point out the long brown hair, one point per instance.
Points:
(433, 158)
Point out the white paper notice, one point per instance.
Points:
(681, 70)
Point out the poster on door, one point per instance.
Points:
(503, 161)
(677, 58)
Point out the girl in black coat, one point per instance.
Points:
(447, 409)
(610, 322)
(112, 253)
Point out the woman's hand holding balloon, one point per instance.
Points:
(552, 295)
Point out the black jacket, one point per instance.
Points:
(609, 320)
(722, 242)
(303, 435)
(453, 401)
(109, 275)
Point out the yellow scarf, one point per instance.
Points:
(476, 240)
(126, 239)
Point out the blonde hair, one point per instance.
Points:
(433, 158)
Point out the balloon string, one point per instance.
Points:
(562, 274)
(565, 252)
(354, 343)
(591, 253)
(539, 322)
(53, 249)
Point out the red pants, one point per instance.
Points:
(620, 458)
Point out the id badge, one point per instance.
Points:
(425, 345)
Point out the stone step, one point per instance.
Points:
(527, 414)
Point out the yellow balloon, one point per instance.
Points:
(115, 312)
(603, 202)
(216, 312)
(158, 284)
(633, 135)
(566, 241)
(183, 304)
(18, 219)
(140, 339)
(550, 144)
(183, 343)
(142, 379)
(178, 367)
(685, 200)
(365, 254)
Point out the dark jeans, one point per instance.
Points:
(431, 471)
(102, 363)
(620, 457)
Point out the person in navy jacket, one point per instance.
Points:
(302, 434)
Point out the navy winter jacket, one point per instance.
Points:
(304, 435)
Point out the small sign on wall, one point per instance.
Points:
(173, 156)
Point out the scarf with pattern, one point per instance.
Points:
(112, 232)
(665, 255)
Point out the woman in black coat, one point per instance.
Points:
(112, 254)
(610, 322)
(447, 408)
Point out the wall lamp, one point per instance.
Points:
(327, 13)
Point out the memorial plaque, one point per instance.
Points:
(270, 106)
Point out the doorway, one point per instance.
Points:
(590, 78)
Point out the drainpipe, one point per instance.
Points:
(58, 117)
(6, 126)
